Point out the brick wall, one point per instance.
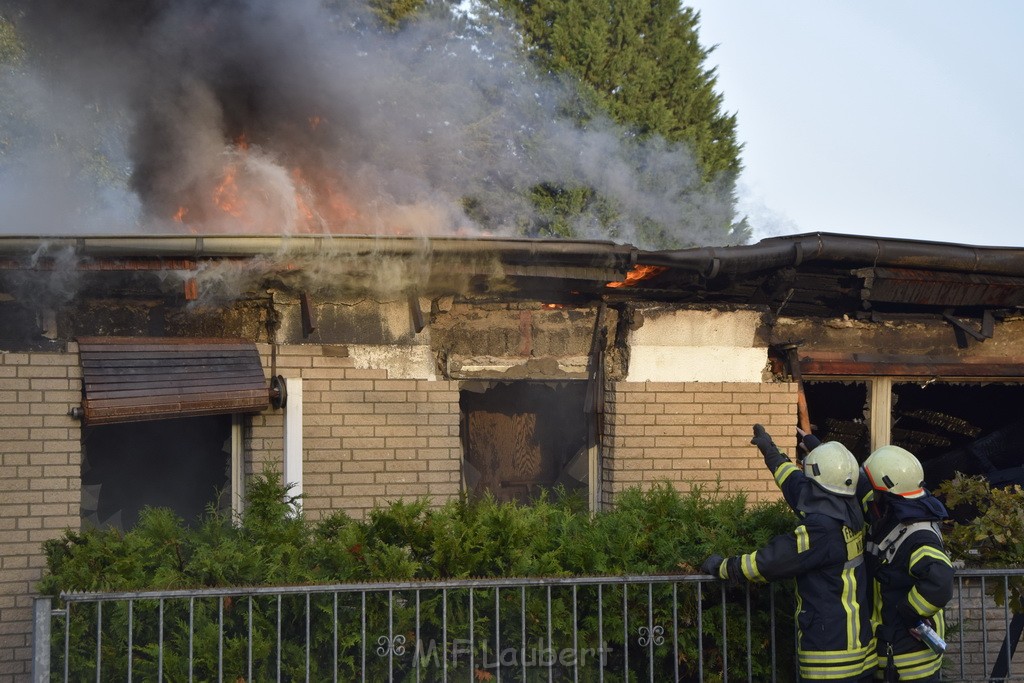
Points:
(40, 470)
(367, 439)
(694, 433)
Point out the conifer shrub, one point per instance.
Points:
(653, 531)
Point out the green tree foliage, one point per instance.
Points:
(655, 531)
(992, 534)
(642, 62)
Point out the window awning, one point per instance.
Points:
(129, 379)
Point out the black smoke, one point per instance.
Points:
(270, 116)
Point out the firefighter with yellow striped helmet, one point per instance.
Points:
(824, 553)
(908, 562)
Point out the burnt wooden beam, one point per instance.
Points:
(308, 316)
(839, 363)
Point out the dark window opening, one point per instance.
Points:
(968, 427)
(839, 412)
(521, 438)
(182, 464)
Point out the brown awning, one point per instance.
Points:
(129, 379)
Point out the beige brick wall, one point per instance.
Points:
(691, 433)
(40, 471)
(367, 439)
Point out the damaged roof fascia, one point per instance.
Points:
(767, 255)
(791, 251)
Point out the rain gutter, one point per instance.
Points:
(608, 254)
(791, 251)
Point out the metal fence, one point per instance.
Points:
(621, 628)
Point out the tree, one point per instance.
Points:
(641, 61)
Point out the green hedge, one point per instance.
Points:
(658, 530)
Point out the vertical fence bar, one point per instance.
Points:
(725, 640)
(220, 638)
(67, 640)
(522, 625)
(960, 618)
(551, 640)
(650, 631)
(279, 638)
(391, 636)
(362, 634)
(497, 631)
(160, 639)
(444, 633)
(472, 663)
(700, 630)
(984, 628)
(771, 621)
(675, 631)
(575, 640)
(308, 616)
(1006, 624)
(131, 628)
(416, 646)
(600, 630)
(248, 642)
(191, 637)
(41, 608)
(99, 638)
(625, 630)
(334, 638)
(750, 646)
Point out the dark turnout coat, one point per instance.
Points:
(913, 577)
(825, 556)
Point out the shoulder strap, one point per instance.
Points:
(886, 549)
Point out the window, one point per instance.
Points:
(521, 438)
(184, 464)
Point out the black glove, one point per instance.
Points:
(711, 565)
(763, 441)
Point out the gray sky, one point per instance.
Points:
(871, 117)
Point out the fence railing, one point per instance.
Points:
(608, 628)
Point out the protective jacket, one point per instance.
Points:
(824, 555)
(913, 577)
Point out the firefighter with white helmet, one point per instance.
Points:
(913, 574)
(825, 556)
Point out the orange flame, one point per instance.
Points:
(225, 195)
(638, 273)
(179, 215)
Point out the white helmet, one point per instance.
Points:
(833, 467)
(896, 470)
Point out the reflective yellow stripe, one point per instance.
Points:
(927, 551)
(832, 664)
(868, 497)
(920, 605)
(803, 540)
(851, 607)
(917, 664)
(783, 471)
(749, 565)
